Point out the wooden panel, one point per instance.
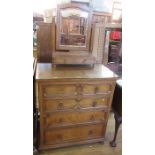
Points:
(73, 134)
(44, 41)
(74, 104)
(88, 26)
(64, 104)
(59, 90)
(74, 59)
(96, 89)
(94, 102)
(59, 104)
(46, 71)
(62, 118)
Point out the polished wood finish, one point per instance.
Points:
(95, 148)
(73, 54)
(74, 104)
(59, 26)
(46, 71)
(44, 42)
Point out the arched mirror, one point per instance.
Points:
(73, 27)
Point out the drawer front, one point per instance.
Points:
(59, 90)
(73, 134)
(72, 60)
(94, 102)
(66, 118)
(65, 104)
(59, 104)
(93, 89)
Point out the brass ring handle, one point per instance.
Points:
(60, 120)
(96, 90)
(94, 104)
(60, 106)
(60, 137)
(92, 118)
(90, 132)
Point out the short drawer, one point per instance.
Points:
(66, 104)
(74, 134)
(75, 117)
(71, 60)
(93, 89)
(59, 90)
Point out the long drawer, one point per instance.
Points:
(73, 104)
(75, 117)
(60, 90)
(74, 134)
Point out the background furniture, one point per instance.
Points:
(74, 104)
(117, 109)
(44, 42)
(113, 49)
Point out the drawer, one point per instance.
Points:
(71, 60)
(74, 134)
(59, 104)
(66, 104)
(59, 90)
(75, 117)
(94, 102)
(93, 89)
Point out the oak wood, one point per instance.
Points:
(69, 54)
(46, 71)
(73, 134)
(74, 104)
(44, 42)
(58, 22)
(92, 149)
(66, 104)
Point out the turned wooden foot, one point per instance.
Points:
(102, 142)
(118, 121)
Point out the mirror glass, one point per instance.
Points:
(73, 27)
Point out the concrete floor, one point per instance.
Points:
(96, 148)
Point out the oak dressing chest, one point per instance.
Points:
(74, 104)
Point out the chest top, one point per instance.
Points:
(45, 71)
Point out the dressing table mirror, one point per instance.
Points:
(73, 27)
(73, 35)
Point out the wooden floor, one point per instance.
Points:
(93, 149)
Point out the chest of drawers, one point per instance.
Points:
(74, 104)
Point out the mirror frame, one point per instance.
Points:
(58, 27)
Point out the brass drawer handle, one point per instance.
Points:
(92, 118)
(90, 132)
(60, 106)
(96, 90)
(94, 104)
(60, 120)
(60, 137)
(45, 95)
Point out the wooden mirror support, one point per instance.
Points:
(73, 35)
